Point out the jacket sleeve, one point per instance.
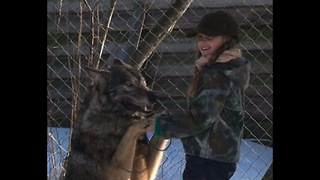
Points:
(203, 111)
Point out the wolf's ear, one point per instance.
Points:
(120, 63)
(96, 74)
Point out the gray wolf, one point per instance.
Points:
(108, 140)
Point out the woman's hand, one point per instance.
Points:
(162, 115)
(202, 61)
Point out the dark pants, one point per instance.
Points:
(207, 169)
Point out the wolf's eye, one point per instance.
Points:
(129, 84)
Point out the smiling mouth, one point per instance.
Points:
(136, 107)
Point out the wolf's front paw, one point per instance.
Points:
(140, 126)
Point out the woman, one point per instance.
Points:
(211, 128)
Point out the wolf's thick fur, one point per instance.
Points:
(108, 139)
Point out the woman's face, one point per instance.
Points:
(208, 45)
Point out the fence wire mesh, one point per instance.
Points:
(149, 33)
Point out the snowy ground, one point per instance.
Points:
(254, 161)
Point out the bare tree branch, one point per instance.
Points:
(159, 32)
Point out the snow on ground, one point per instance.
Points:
(254, 161)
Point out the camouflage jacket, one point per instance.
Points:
(212, 126)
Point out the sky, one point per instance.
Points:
(255, 159)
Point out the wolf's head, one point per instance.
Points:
(121, 89)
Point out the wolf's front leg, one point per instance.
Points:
(156, 148)
(122, 160)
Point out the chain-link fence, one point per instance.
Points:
(149, 34)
